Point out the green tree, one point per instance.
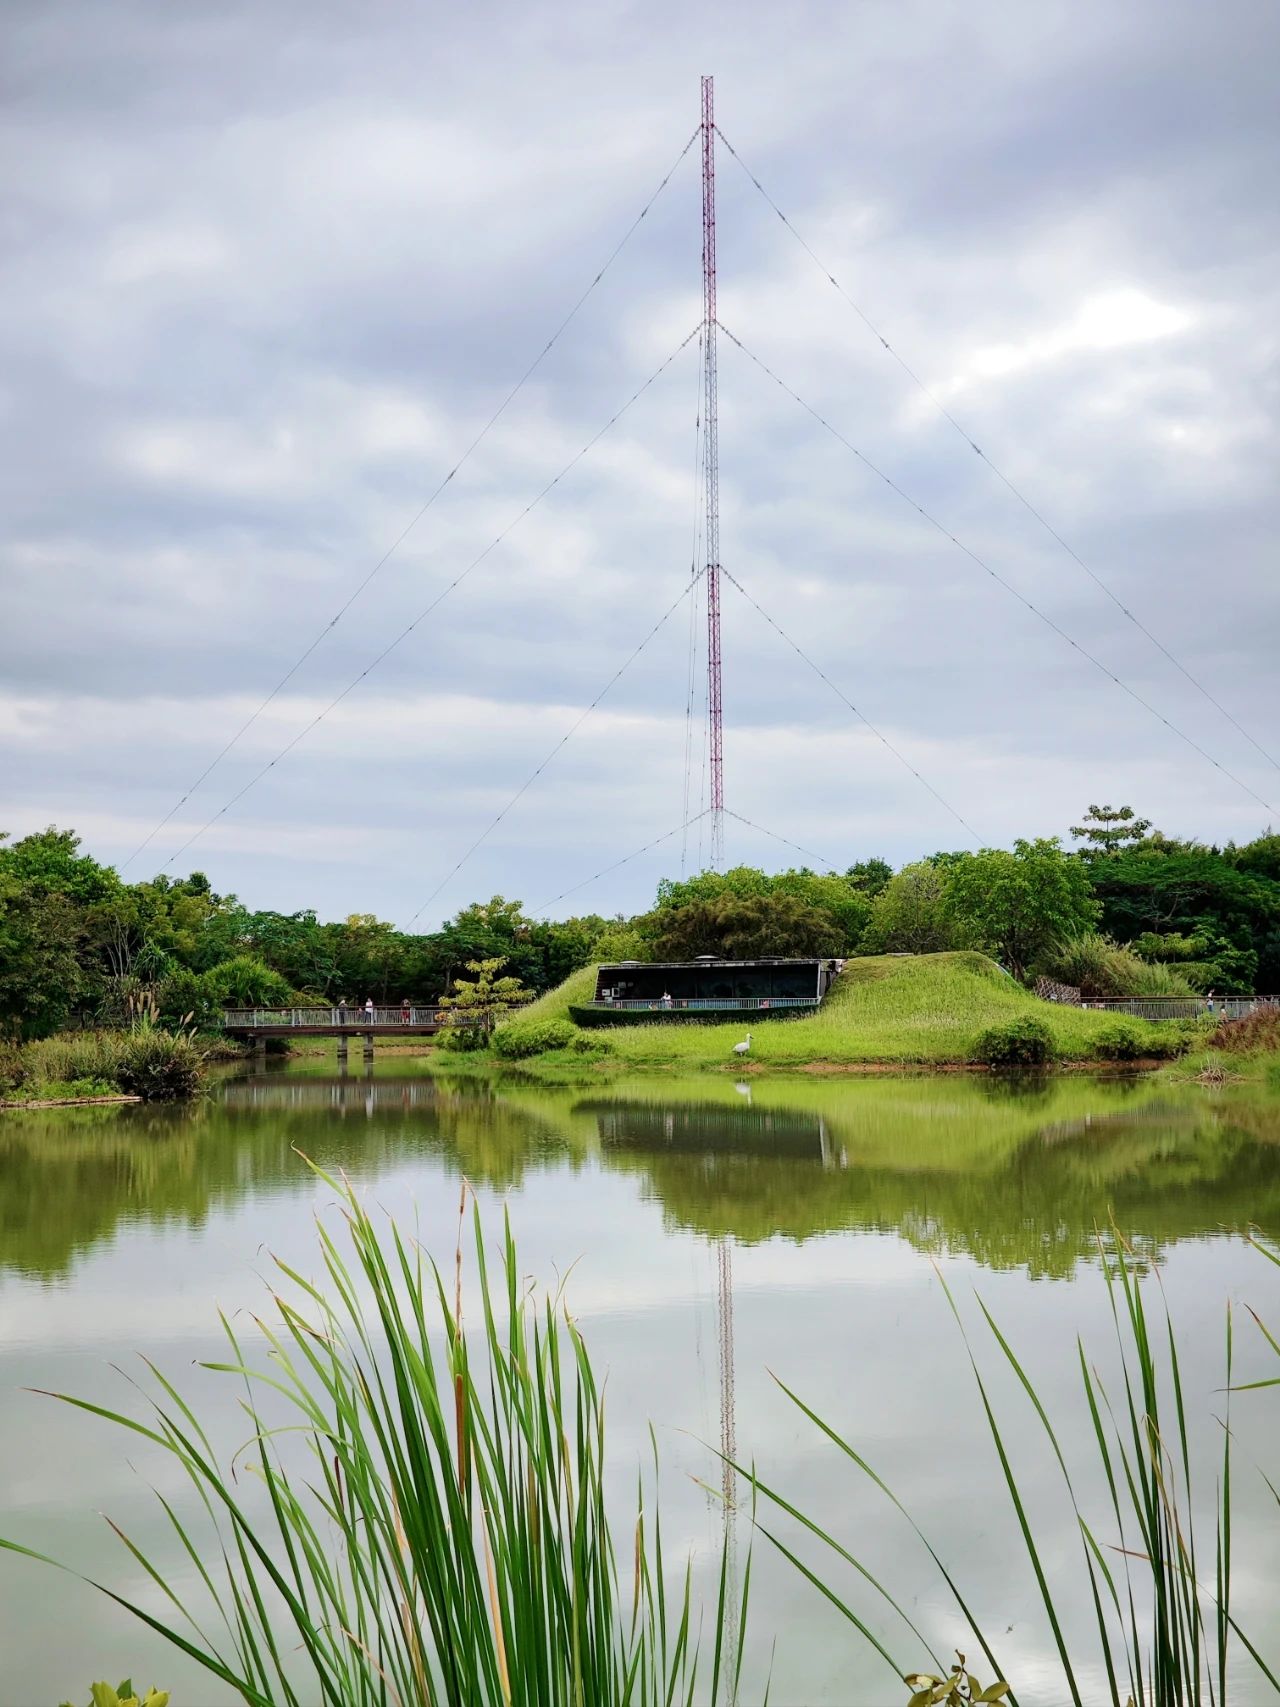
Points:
(48, 863)
(302, 951)
(911, 914)
(146, 929)
(184, 998)
(483, 999)
(623, 939)
(40, 972)
(1110, 829)
(1020, 904)
(746, 927)
(1171, 888)
(245, 982)
(1259, 858)
(488, 930)
(740, 880)
(50, 892)
(368, 958)
(563, 947)
(870, 876)
(843, 900)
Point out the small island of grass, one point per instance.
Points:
(143, 1064)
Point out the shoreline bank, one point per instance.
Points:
(65, 1102)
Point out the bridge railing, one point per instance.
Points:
(703, 1004)
(1186, 1007)
(351, 1018)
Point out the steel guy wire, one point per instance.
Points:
(808, 853)
(999, 473)
(999, 579)
(439, 599)
(566, 737)
(400, 538)
(844, 698)
(626, 860)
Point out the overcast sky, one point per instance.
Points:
(271, 268)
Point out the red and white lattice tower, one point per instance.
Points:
(711, 473)
(715, 745)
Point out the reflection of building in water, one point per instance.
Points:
(1176, 1116)
(715, 1132)
(716, 1128)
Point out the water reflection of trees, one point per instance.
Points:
(70, 1177)
(1014, 1176)
(1166, 1168)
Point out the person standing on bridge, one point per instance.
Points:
(342, 1010)
(405, 1012)
(368, 1010)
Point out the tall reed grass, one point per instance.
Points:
(443, 1536)
(1105, 970)
(1253, 1033)
(1158, 1584)
(432, 1529)
(147, 1061)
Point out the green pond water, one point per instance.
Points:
(123, 1230)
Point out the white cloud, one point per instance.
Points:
(1109, 320)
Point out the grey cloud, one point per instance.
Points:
(270, 270)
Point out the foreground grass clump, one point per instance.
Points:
(1159, 1588)
(123, 1695)
(434, 1532)
(156, 1065)
(1253, 1033)
(925, 1009)
(1244, 1048)
(75, 1090)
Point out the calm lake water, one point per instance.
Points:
(124, 1230)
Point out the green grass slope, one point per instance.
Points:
(579, 986)
(926, 1009)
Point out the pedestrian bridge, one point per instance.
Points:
(338, 1021)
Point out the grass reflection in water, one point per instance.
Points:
(1015, 1174)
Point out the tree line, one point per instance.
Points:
(1123, 910)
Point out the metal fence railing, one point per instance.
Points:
(704, 1004)
(379, 1019)
(1187, 1007)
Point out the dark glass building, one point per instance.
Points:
(636, 990)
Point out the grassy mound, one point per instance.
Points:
(927, 1009)
(579, 986)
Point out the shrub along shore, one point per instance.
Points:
(147, 1062)
(928, 1010)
